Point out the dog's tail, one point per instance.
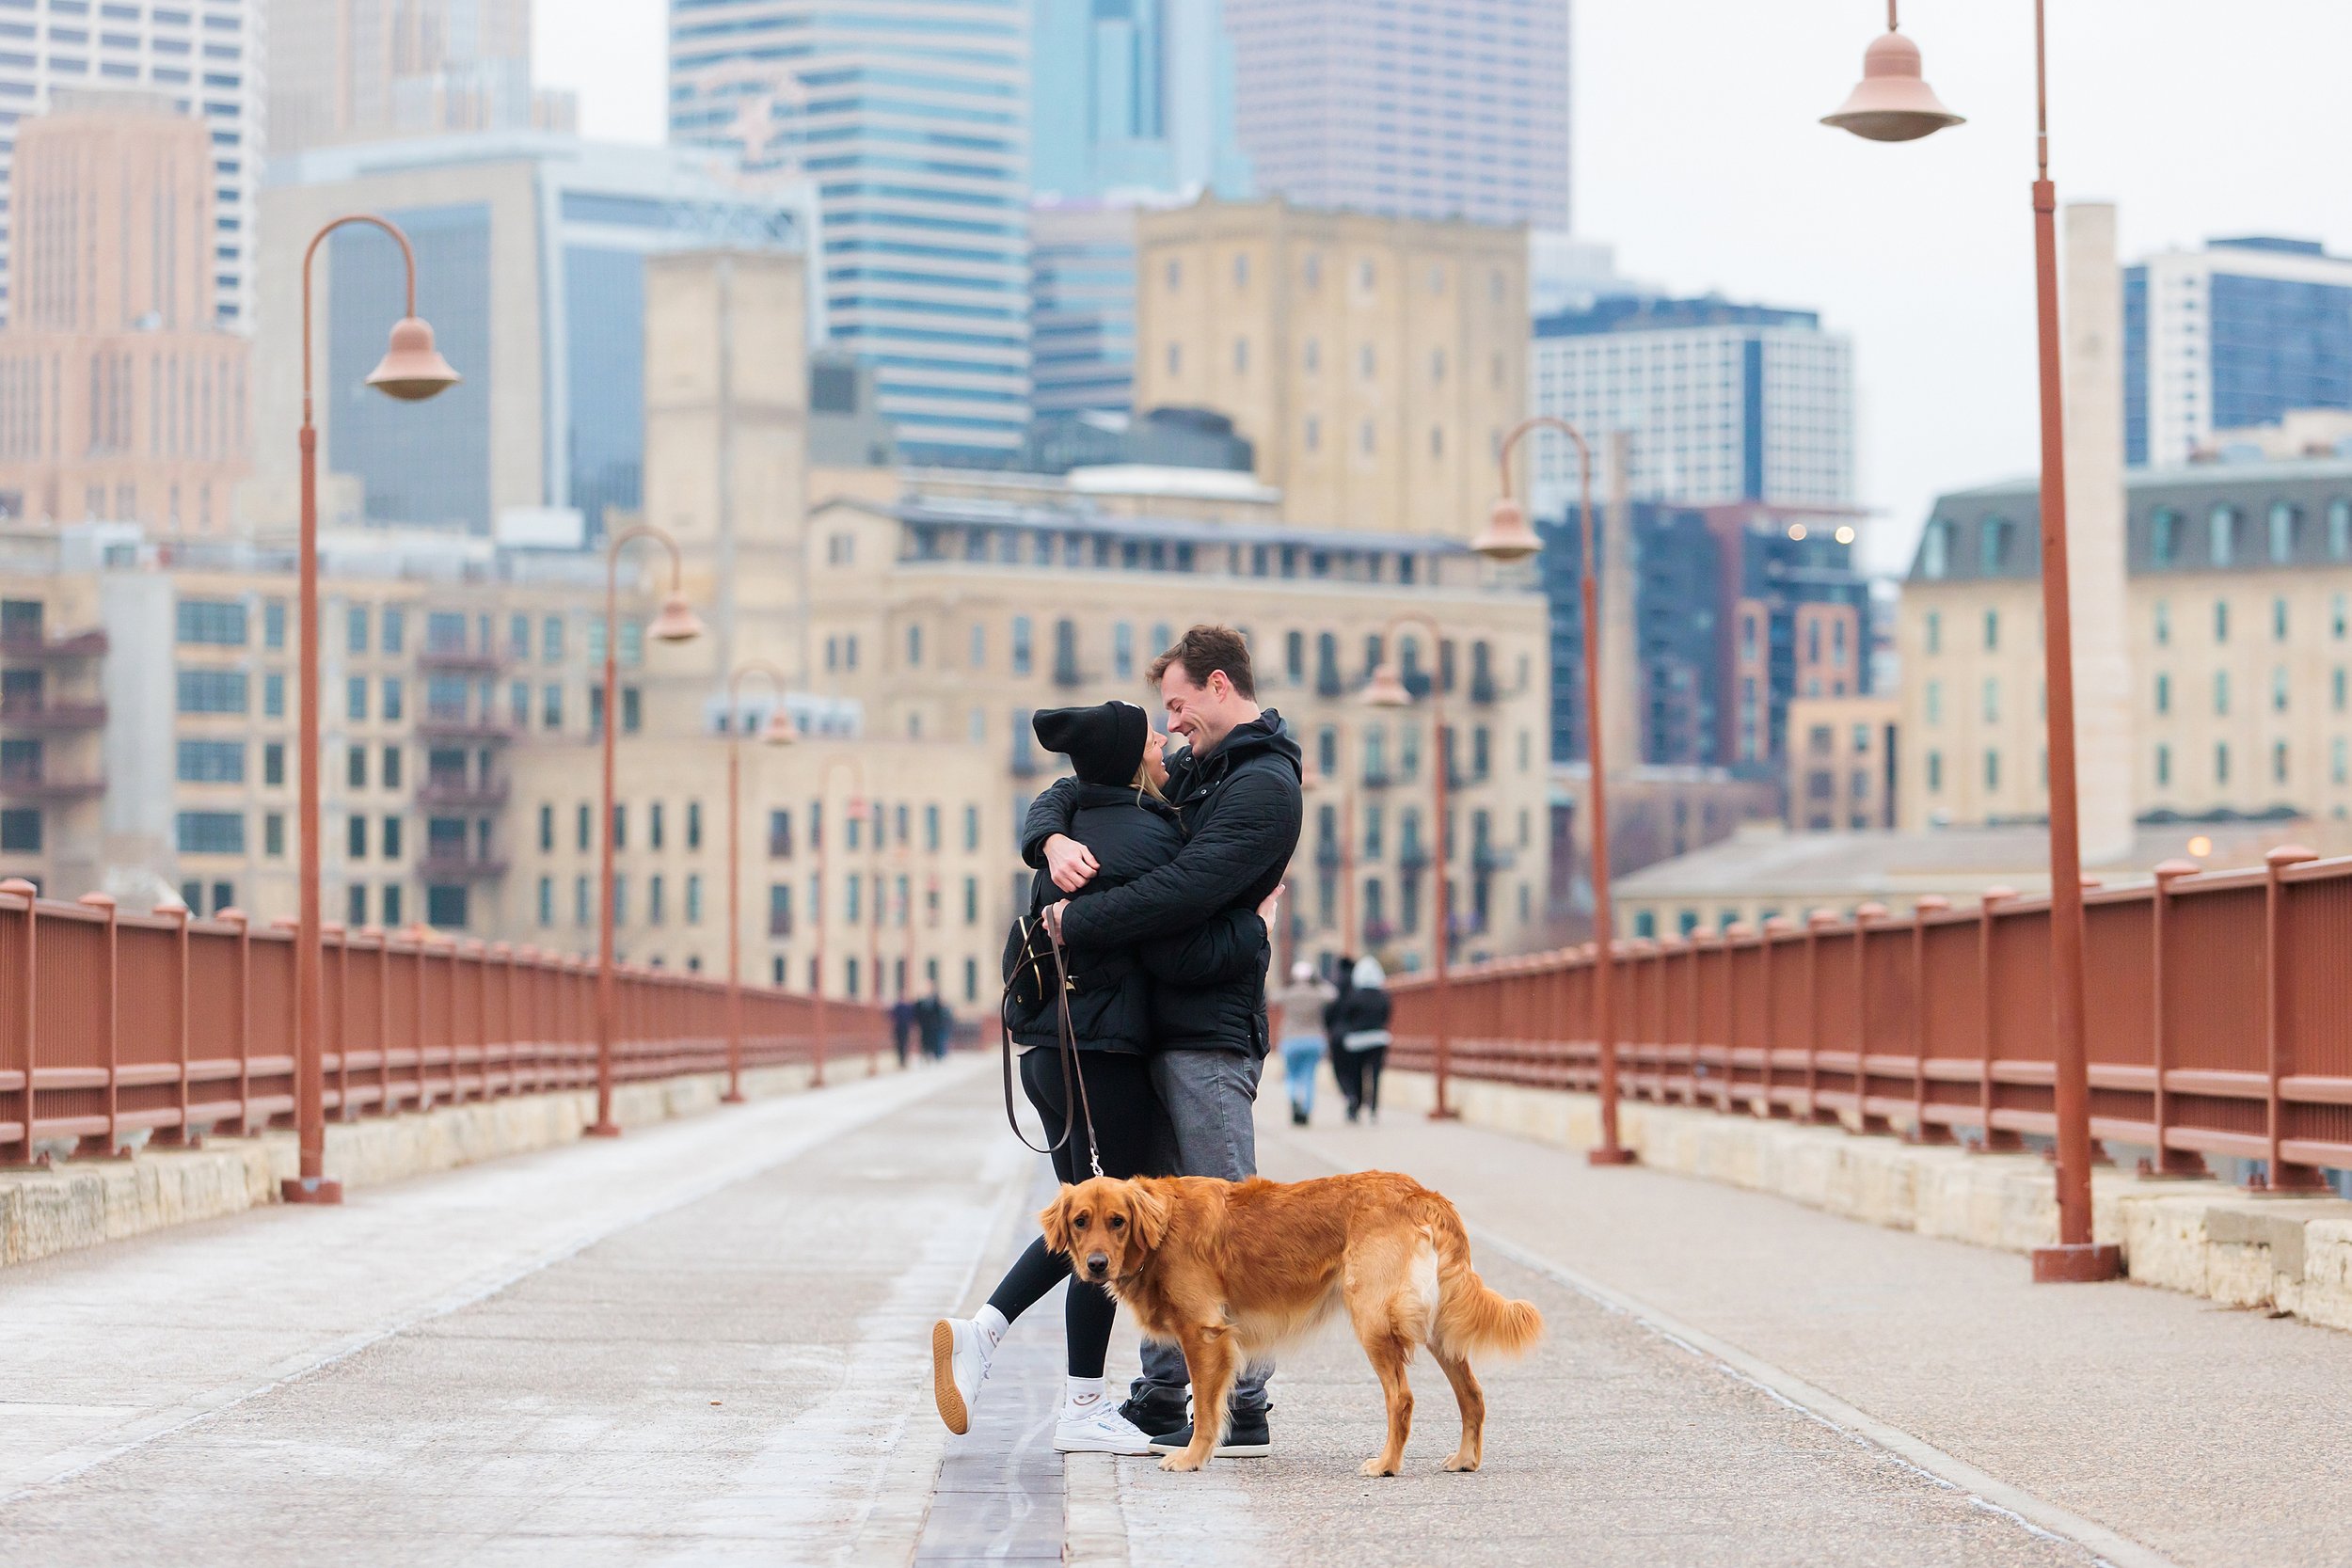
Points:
(1471, 1316)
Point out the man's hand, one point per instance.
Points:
(1069, 863)
(1053, 916)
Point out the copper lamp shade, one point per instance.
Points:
(677, 622)
(1507, 537)
(779, 730)
(412, 369)
(1893, 102)
(1387, 687)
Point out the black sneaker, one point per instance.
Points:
(1155, 1415)
(1246, 1437)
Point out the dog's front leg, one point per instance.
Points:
(1209, 1360)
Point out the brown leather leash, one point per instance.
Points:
(1073, 1082)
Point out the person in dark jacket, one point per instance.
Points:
(1364, 1031)
(1236, 790)
(1108, 987)
(1346, 1066)
(933, 1021)
(904, 1016)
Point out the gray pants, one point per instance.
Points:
(1210, 1096)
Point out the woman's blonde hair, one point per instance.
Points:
(1144, 783)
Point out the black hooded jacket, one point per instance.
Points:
(1241, 809)
(1112, 984)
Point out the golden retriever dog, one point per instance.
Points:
(1230, 1270)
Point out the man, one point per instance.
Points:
(935, 1020)
(903, 1015)
(1236, 789)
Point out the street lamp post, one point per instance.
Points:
(412, 369)
(676, 622)
(778, 731)
(856, 767)
(1893, 102)
(1387, 689)
(1510, 524)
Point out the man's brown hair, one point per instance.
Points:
(1204, 651)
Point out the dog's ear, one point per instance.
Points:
(1152, 1215)
(1054, 1219)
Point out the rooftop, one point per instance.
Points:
(1646, 314)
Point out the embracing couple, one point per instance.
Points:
(1159, 868)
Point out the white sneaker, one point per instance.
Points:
(960, 1358)
(1098, 1428)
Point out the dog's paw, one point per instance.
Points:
(1181, 1461)
(1458, 1461)
(1373, 1466)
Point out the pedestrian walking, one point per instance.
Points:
(1302, 1003)
(903, 1017)
(935, 1023)
(1363, 1023)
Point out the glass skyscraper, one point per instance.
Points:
(911, 118)
(2230, 337)
(1137, 96)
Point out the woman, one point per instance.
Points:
(1363, 1029)
(1131, 828)
(1302, 1003)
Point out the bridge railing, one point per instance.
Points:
(112, 1023)
(2219, 1011)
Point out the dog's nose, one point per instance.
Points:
(1098, 1264)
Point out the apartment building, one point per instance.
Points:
(1374, 362)
(2238, 621)
(1841, 763)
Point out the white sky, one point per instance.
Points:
(1698, 155)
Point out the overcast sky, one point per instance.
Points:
(1698, 155)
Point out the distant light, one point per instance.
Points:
(2201, 847)
(1796, 531)
(1845, 536)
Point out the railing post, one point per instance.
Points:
(108, 1145)
(1700, 941)
(1814, 924)
(1922, 1130)
(1764, 946)
(21, 1154)
(180, 1134)
(2283, 1176)
(384, 1103)
(2168, 1160)
(292, 928)
(1995, 1140)
(244, 1016)
(1866, 1120)
(1724, 1097)
(337, 1020)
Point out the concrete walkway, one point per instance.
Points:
(705, 1343)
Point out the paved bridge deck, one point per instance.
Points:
(705, 1343)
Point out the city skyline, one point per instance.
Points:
(1788, 213)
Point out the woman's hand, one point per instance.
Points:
(1269, 906)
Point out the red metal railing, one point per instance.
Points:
(113, 1023)
(2220, 1008)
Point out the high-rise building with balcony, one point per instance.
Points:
(1454, 111)
(2234, 336)
(911, 118)
(121, 398)
(205, 59)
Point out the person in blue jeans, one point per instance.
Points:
(1302, 1003)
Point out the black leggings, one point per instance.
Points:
(1128, 1122)
(1359, 1072)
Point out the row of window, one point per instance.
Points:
(1367, 275)
(2338, 622)
(890, 902)
(2281, 758)
(2173, 539)
(226, 624)
(871, 827)
(1074, 550)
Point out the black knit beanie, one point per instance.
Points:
(1104, 743)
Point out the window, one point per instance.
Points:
(2340, 529)
(274, 834)
(552, 707)
(1934, 697)
(356, 629)
(2221, 546)
(2222, 762)
(217, 623)
(547, 827)
(355, 699)
(211, 762)
(1992, 536)
(1991, 630)
(2164, 765)
(2164, 693)
(693, 824)
(389, 776)
(2163, 623)
(2336, 693)
(2336, 760)
(693, 898)
(2278, 690)
(632, 710)
(2221, 691)
(390, 838)
(546, 901)
(393, 695)
(1935, 549)
(971, 828)
(356, 837)
(395, 630)
(584, 826)
(355, 767)
(214, 690)
(2336, 617)
(274, 624)
(2279, 620)
(779, 835)
(653, 899)
(2278, 762)
(1021, 646)
(2284, 525)
(551, 638)
(19, 829)
(779, 909)
(273, 765)
(2221, 620)
(1935, 771)
(653, 826)
(355, 905)
(1934, 638)
(2163, 536)
(273, 697)
(580, 900)
(1992, 701)
(210, 833)
(1993, 770)
(971, 900)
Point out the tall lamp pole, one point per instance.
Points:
(1510, 523)
(1387, 689)
(1893, 102)
(778, 731)
(817, 916)
(676, 622)
(412, 369)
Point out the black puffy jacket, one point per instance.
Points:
(1112, 1005)
(1241, 809)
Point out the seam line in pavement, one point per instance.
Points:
(228, 1396)
(2037, 1516)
